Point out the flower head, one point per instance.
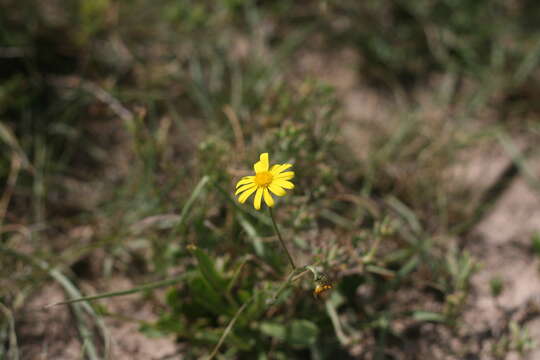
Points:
(265, 180)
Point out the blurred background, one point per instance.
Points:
(413, 129)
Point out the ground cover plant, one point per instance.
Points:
(130, 226)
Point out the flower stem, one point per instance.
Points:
(280, 238)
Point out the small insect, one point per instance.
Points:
(323, 285)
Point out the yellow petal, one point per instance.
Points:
(288, 175)
(262, 164)
(245, 180)
(280, 168)
(268, 199)
(284, 184)
(243, 197)
(276, 189)
(244, 188)
(257, 199)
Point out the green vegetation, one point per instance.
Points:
(497, 286)
(124, 126)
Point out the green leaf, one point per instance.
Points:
(209, 272)
(408, 267)
(167, 324)
(212, 336)
(274, 330)
(255, 308)
(536, 243)
(421, 315)
(207, 297)
(254, 236)
(381, 271)
(152, 330)
(302, 333)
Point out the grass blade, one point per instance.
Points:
(13, 352)
(145, 287)
(197, 192)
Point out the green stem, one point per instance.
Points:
(280, 238)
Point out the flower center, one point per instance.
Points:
(263, 178)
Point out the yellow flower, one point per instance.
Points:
(265, 181)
